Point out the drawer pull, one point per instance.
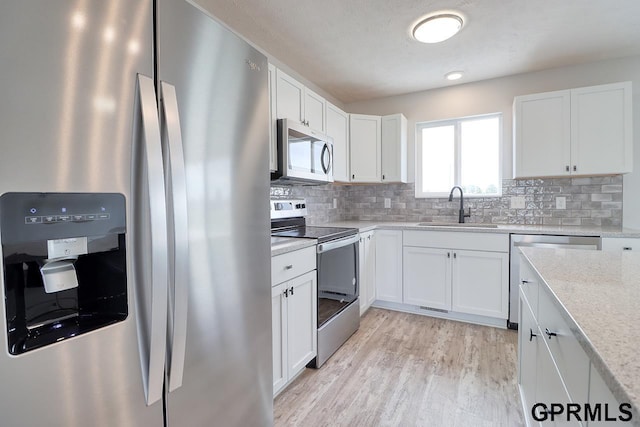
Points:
(627, 248)
(288, 267)
(532, 335)
(524, 282)
(549, 333)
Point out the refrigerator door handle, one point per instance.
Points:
(150, 231)
(172, 149)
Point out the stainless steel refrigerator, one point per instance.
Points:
(164, 111)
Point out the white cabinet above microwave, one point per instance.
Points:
(297, 102)
(583, 131)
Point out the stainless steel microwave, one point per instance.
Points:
(304, 155)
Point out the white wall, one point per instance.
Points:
(496, 95)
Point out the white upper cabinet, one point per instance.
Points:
(296, 102)
(601, 129)
(365, 148)
(584, 131)
(314, 110)
(273, 139)
(542, 134)
(394, 148)
(289, 97)
(337, 127)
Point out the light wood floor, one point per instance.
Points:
(408, 370)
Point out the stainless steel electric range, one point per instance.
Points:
(337, 270)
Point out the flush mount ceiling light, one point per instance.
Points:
(437, 28)
(454, 75)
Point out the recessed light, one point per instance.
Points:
(454, 75)
(437, 28)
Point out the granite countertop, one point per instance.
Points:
(282, 245)
(491, 228)
(598, 293)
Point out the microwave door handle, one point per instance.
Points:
(325, 167)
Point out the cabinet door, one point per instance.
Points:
(362, 271)
(314, 110)
(480, 283)
(549, 385)
(365, 148)
(427, 277)
(527, 347)
(370, 262)
(273, 139)
(279, 336)
(338, 129)
(388, 278)
(301, 322)
(601, 126)
(394, 148)
(289, 97)
(542, 126)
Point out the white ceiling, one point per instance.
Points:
(362, 49)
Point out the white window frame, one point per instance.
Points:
(457, 141)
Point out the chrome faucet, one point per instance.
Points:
(461, 214)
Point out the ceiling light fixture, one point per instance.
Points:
(454, 75)
(437, 28)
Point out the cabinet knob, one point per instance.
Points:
(575, 168)
(448, 254)
(288, 267)
(531, 334)
(455, 255)
(286, 293)
(353, 176)
(549, 333)
(291, 290)
(566, 168)
(368, 237)
(383, 177)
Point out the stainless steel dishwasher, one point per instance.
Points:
(539, 241)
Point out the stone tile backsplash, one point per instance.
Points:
(589, 201)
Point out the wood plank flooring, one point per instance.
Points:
(403, 369)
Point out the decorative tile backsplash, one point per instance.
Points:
(589, 201)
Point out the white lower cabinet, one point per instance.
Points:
(367, 269)
(552, 365)
(388, 269)
(615, 244)
(294, 325)
(480, 283)
(454, 278)
(427, 277)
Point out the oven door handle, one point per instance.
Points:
(325, 247)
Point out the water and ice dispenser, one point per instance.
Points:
(64, 262)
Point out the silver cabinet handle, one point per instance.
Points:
(150, 225)
(288, 267)
(173, 154)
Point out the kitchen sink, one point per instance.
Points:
(456, 224)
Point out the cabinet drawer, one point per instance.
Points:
(615, 244)
(492, 242)
(287, 266)
(571, 360)
(529, 285)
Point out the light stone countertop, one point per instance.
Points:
(501, 228)
(282, 245)
(598, 293)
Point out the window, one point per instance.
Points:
(464, 152)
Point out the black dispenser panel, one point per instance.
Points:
(64, 265)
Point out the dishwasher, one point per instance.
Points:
(539, 241)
